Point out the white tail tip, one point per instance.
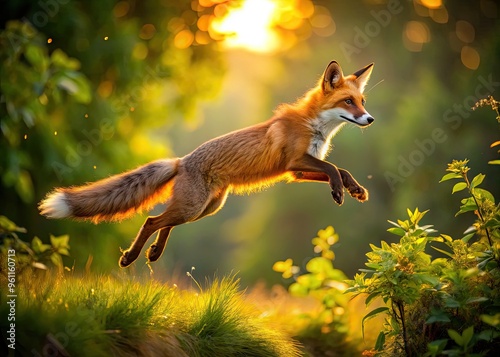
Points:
(55, 206)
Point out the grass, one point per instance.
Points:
(102, 316)
(59, 313)
(303, 319)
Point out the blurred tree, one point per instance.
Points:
(76, 74)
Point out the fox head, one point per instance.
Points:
(343, 98)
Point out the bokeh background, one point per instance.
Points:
(93, 88)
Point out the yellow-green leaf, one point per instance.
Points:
(449, 176)
(477, 180)
(38, 246)
(459, 187)
(455, 336)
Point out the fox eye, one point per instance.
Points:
(363, 102)
(348, 101)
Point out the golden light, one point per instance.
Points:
(267, 26)
(184, 39)
(147, 31)
(121, 8)
(439, 15)
(250, 26)
(140, 51)
(415, 35)
(432, 4)
(105, 89)
(465, 31)
(470, 57)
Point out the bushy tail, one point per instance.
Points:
(114, 198)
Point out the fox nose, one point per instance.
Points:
(370, 120)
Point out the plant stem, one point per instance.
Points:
(401, 309)
(478, 209)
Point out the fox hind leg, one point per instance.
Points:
(215, 204)
(177, 212)
(151, 225)
(188, 202)
(156, 249)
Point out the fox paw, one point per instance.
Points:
(154, 253)
(126, 260)
(358, 192)
(338, 196)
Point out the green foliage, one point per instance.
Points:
(324, 283)
(34, 254)
(399, 274)
(442, 306)
(86, 94)
(66, 107)
(426, 297)
(447, 305)
(102, 316)
(32, 83)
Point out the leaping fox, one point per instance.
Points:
(289, 147)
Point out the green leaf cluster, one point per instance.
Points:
(33, 83)
(87, 95)
(447, 305)
(323, 282)
(34, 255)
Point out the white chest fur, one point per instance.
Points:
(324, 127)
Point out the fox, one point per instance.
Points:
(290, 146)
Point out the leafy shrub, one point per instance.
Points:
(33, 83)
(34, 254)
(326, 331)
(448, 305)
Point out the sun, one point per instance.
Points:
(250, 26)
(269, 26)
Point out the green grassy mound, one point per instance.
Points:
(103, 316)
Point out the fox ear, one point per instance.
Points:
(362, 76)
(332, 77)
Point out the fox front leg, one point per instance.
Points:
(316, 169)
(353, 187)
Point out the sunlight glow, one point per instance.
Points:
(268, 26)
(250, 26)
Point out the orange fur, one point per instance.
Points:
(289, 147)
